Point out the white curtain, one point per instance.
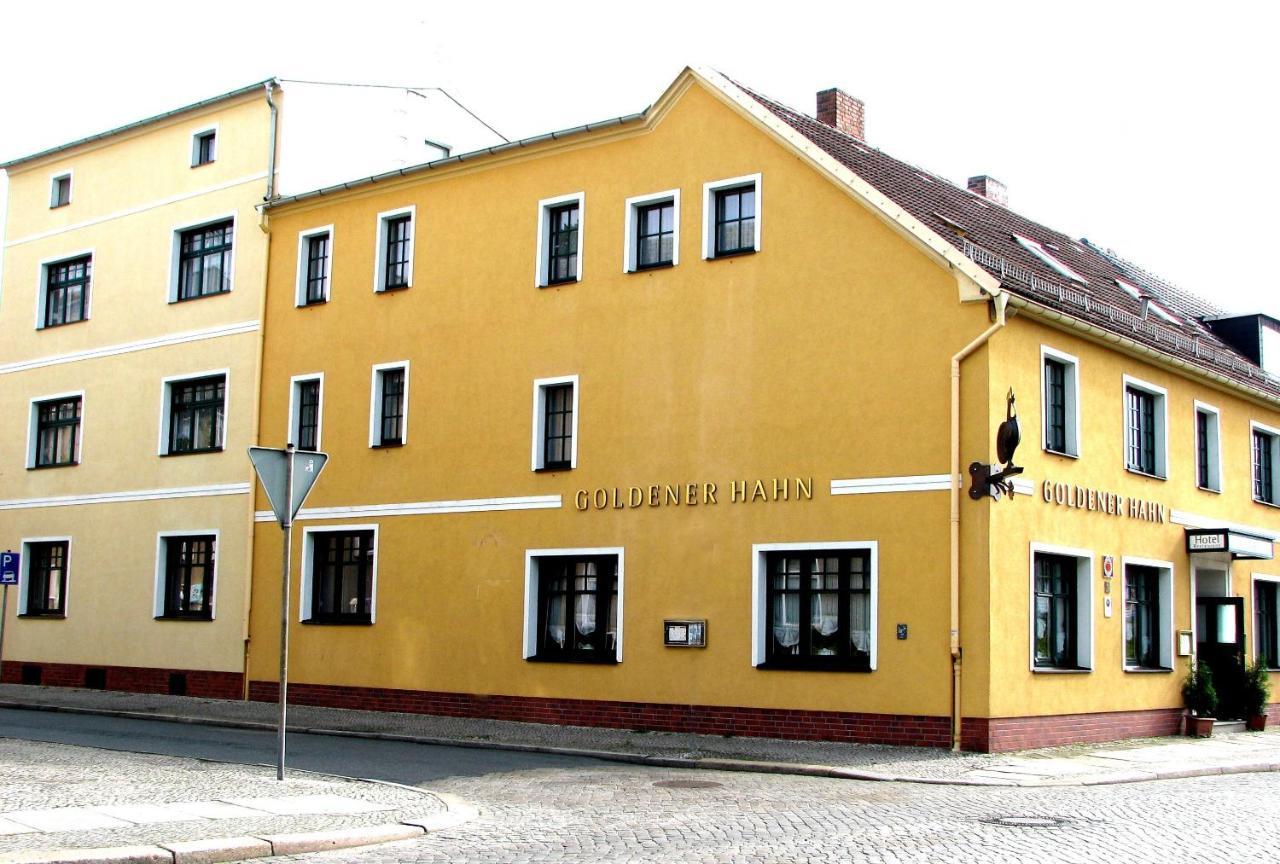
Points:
(860, 623)
(786, 620)
(555, 619)
(584, 614)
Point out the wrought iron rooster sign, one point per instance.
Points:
(995, 480)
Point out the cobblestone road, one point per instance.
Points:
(621, 813)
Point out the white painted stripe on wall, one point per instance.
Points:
(1195, 520)
(130, 347)
(1024, 486)
(423, 508)
(870, 485)
(124, 497)
(141, 208)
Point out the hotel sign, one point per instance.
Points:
(1103, 501)
(1225, 540)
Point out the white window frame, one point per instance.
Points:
(1053, 263)
(760, 594)
(308, 568)
(1168, 633)
(1084, 608)
(531, 557)
(1161, 420)
(166, 405)
(709, 191)
(630, 253)
(24, 573)
(542, 264)
(375, 402)
(1071, 391)
(1274, 434)
(196, 134)
(42, 289)
(1213, 431)
(540, 386)
(175, 249)
(294, 407)
(33, 423)
(1253, 600)
(380, 253)
(162, 539)
(68, 173)
(300, 287)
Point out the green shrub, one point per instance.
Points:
(1198, 692)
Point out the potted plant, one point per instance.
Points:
(1201, 699)
(1257, 693)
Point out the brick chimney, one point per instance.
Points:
(838, 109)
(989, 188)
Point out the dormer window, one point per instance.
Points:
(1039, 251)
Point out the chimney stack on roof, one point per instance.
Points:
(989, 188)
(839, 110)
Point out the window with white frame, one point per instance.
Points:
(204, 146)
(315, 266)
(393, 261)
(185, 564)
(560, 227)
(1061, 609)
(53, 433)
(389, 405)
(1145, 428)
(1266, 455)
(60, 190)
(194, 413)
(63, 296)
(203, 259)
(306, 397)
(1208, 448)
(651, 236)
(1060, 385)
(555, 423)
(46, 563)
(573, 605)
(1148, 614)
(731, 216)
(339, 574)
(815, 606)
(1266, 616)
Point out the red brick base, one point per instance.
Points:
(702, 719)
(132, 679)
(1002, 734)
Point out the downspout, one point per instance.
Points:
(1000, 301)
(271, 145)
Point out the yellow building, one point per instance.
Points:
(133, 286)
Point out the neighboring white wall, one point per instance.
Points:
(330, 134)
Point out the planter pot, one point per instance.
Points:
(1256, 722)
(1199, 727)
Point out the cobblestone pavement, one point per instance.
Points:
(618, 813)
(36, 776)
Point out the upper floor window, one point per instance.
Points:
(57, 432)
(1266, 454)
(196, 414)
(204, 147)
(1061, 614)
(44, 588)
(204, 260)
(818, 609)
(555, 412)
(732, 212)
(315, 265)
(1208, 453)
(339, 571)
(573, 604)
(388, 420)
(305, 413)
(65, 298)
(60, 190)
(187, 586)
(560, 239)
(1144, 412)
(653, 231)
(394, 259)
(1061, 402)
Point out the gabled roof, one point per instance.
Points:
(1003, 243)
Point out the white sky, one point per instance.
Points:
(1149, 128)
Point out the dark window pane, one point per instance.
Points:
(196, 415)
(57, 432)
(391, 425)
(562, 244)
(578, 608)
(47, 575)
(655, 235)
(308, 415)
(1263, 467)
(1140, 430)
(189, 565)
(204, 261)
(317, 285)
(735, 220)
(67, 291)
(557, 430)
(1055, 612)
(342, 577)
(1055, 398)
(818, 610)
(1141, 616)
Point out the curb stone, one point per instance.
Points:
(707, 763)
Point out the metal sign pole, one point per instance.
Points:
(287, 525)
(4, 613)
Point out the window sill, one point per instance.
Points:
(775, 666)
(192, 452)
(54, 465)
(202, 164)
(1209, 489)
(1145, 474)
(1061, 670)
(386, 445)
(196, 618)
(734, 253)
(661, 265)
(552, 469)
(392, 289)
(608, 660)
(199, 297)
(558, 282)
(1064, 454)
(1144, 670)
(46, 616)
(359, 621)
(310, 303)
(59, 206)
(62, 324)
(1272, 504)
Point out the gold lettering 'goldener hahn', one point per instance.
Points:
(700, 494)
(1101, 501)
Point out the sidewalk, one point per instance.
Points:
(1077, 765)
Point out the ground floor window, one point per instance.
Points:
(1266, 624)
(187, 583)
(1061, 621)
(45, 588)
(339, 572)
(573, 606)
(1148, 621)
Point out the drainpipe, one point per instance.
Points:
(1000, 301)
(271, 151)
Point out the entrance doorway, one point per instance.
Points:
(1220, 645)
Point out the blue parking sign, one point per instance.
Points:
(9, 562)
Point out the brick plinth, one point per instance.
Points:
(702, 719)
(132, 679)
(1002, 734)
